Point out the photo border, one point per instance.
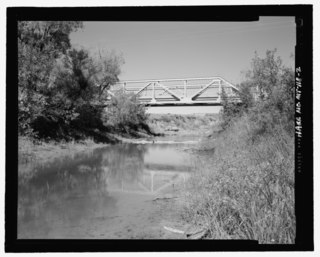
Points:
(303, 136)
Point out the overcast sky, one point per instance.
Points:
(159, 50)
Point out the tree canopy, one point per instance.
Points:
(267, 94)
(57, 84)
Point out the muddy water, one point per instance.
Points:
(106, 193)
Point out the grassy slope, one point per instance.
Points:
(244, 188)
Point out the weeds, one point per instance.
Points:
(246, 188)
(246, 191)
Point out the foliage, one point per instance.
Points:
(266, 73)
(230, 110)
(40, 43)
(60, 89)
(107, 66)
(246, 189)
(125, 112)
(267, 95)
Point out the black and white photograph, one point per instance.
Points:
(140, 128)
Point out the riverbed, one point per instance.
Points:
(113, 192)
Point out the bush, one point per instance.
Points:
(125, 113)
(229, 111)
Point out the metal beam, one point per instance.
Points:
(203, 89)
(169, 91)
(153, 92)
(229, 84)
(166, 80)
(143, 88)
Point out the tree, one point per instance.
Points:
(275, 87)
(107, 69)
(74, 98)
(60, 86)
(265, 73)
(40, 43)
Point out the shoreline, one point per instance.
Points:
(43, 152)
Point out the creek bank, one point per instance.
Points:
(36, 151)
(148, 217)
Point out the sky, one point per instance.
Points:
(163, 50)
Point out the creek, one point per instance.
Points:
(107, 192)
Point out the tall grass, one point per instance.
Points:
(245, 189)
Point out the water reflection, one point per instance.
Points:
(81, 190)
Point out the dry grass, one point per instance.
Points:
(189, 124)
(246, 190)
(30, 151)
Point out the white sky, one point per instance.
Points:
(158, 50)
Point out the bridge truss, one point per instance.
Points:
(178, 91)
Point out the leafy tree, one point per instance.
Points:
(265, 74)
(274, 85)
(40, 43)
(60, 89)
(107, 70)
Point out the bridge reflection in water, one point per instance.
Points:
(150, 182)
(143, 169)
(77, 194)
(161, 166)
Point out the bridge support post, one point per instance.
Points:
(185, 89)
(153, 92)
(220, 91)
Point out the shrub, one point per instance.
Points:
(229, 111)
(125, 113)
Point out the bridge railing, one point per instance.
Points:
(178, 91)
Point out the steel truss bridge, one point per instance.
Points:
(191, 91)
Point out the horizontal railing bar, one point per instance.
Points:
(164, 80)
(173, 86)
